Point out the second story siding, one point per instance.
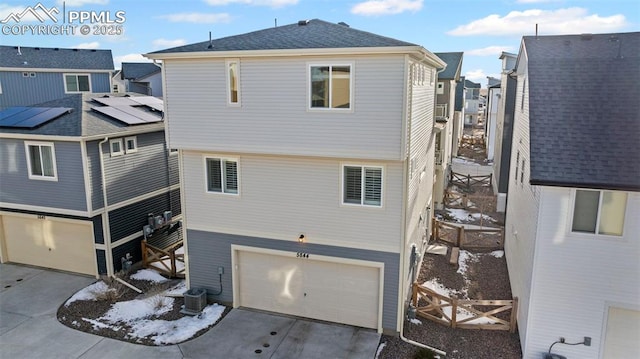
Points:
(274, 115)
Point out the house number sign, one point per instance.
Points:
(302, 255)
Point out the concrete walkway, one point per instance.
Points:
(30, 297)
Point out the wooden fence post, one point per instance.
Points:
(490, 179)
(514, 315)
(144, 253)
(460, 236)
(454, 310)
(468, 181)
(414, 295)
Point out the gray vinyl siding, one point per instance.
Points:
(135, 174)
(18, 90)
(101, 258)
(208, 250)
(279, 122)
(130, 219)
(95, 174)
(507, 134)
(65, 193)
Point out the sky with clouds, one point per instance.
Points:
(481, 29)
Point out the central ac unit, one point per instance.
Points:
(195, 299)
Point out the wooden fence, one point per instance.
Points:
(458, 236)
(468, 181)
(169, 260)
(466, 201)
(464, 312)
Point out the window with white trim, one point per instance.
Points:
(599, 212)
(330, 86)
(233, 82)
(222, 175)
(362, 185)
(41, 160)
(130, 144)
(522, 173)
(440, 88)
(115, 147)
(77, 83)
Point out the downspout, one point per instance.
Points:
(105, 215)
(405, 201)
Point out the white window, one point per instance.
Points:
(25, 74)
(116, 147)
(233, 82)
(362, 185)
(599, 212)
(522, 173)
(130, 144)
(517, 164)
(330, 86)
(77, 83)
(41, 160)
(222, 175)
(440, 89)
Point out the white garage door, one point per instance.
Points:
(51, 243)
(314, 287)
(623, 333)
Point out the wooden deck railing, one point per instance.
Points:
(464, 312)
(468, 181)
(458, 236)
(169, 260)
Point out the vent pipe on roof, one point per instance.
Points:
(19, 52)
(536, 31)
(303, 22)
(275, 21)
(210, 42)
(343, 23)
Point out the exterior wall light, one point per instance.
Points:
(301, 238)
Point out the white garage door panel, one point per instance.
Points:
(623, 331)
(50, 243)
(331, 291)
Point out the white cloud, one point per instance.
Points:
(489, 51)
(386, 7)
(198, 18)
(270, 3)
(535, 1)
(88, 45)
(82, 2)
(479, 76)
(162, 43)
(118, 60)
(573, 20)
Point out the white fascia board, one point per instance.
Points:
(42, 69)
(27, 136)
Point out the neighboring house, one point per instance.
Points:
(30, 75)
(62, 160)
(459, 109)
(118, 85)
(504, 130)
(142, 77)
(494, 95)
(572, 224)
(471, 102)
(313, 200)
(448, 121)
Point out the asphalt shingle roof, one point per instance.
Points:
(454, 64)
(312, 35)
(82, 121)
(138, 70)
(471, 85)
(55, 58)
(584, 110)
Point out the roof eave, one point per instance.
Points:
(602, 186)
(298, 52)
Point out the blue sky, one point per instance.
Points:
(482, 29)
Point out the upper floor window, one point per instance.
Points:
(41, 160)
(440, 89)
(599, 212)
(233, 81)
(77, 83)
(362, 185)
(330, 86)
(116, 147)
(130, 144)
(222, 175)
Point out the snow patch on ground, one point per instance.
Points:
(149, 275)
(462, 215)
(133, 310)
(497, 254)
(464, 160)
(416, 321)
(463, 262)
(177, 290)
(90, 292)
(380, 347)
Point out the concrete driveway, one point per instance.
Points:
(30, 297)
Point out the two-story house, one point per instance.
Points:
(307, 159)
(142, 77)
(448, 120)
(31, 75)
(79, 176)
(494, 97)
(572, 224)
(471, 102)
(460, 115)
(504, 130)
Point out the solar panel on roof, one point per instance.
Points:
(119, 115)
(30, 117)
(154, 103)
(141, 114)
(115, 101)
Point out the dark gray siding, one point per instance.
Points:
(132, 247)
(101, 258)
(93, 165)
(138, 173)
(98, 235)
(66, 193)
(18, 90)
(507, 134)
(130, 219)
(174, 170)
(209, 250)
